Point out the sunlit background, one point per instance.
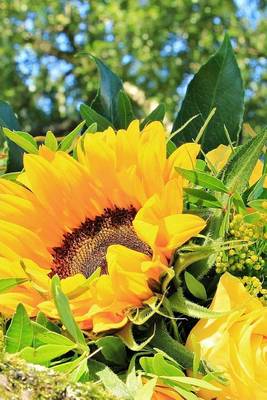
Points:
(155, 46)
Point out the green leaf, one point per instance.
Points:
(22, 139)
(8, 283)
(260, 205)
(126, 335)
(180, 304)
(218, 84)
(159, 366)
(171, 147)
(125, 111)
(92, 128)
(113, 384)
(206, 199)
(238, 171)
(257, 189)
(41, 319)
(9, 120)
(195, 287)
(203, 179)
(68, 141)
(48, 337)
(112, 349)
(146, 391)
(43, 354)
(110, 86)
(20, 331)
(156, 115)
(64, 311)
(91, 117)
(163, 341)
(11, 176)
(51, 141)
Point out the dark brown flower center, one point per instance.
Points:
(84, 249)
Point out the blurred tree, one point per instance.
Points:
(155, 45)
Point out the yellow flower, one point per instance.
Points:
(219, 157)
(117, 210)
(236, 343)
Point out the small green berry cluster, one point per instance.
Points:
(246, 258)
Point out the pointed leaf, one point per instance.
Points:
(20, 331)
(203, 179)
(156, 115)
(91, 117)
(237, 172)
(68, 141)
(9, 120)
(110, 86)
(51, 141)
(195, 287)
(125, 111)
(218, 84)
(22, 139)
(8, 283)
(64, 311)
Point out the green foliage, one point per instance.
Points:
(8, 283)
(237, 172)
(217, 84)
(23, 139)
(20, 331)
(203, 179)
(195, 287)
(110, 87)
(63, 308)
(9, 120)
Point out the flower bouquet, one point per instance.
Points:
(133, 258)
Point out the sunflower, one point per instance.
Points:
(106, 222)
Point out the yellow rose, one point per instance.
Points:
(235, 343)
(218, 158)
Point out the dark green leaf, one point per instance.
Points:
(203, 179)
(9, 120)
(195, 287)
(8, 283)
(64, 311)
(20, 331)
(91, 117)
(218, 84)
(110, 86)
(112, 349)
(125, 111)
(163, 341)
(171, 147)
(156, 115)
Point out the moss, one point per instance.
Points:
(22, 381)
